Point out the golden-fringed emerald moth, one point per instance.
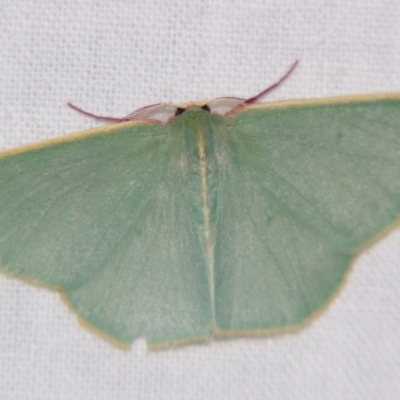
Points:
(222, 218)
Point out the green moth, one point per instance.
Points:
(227, 218)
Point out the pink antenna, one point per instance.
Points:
(94, 116)
(272, 87)
(135, 113)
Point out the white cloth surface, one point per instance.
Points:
(111, 57)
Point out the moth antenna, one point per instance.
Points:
(272, 87)
(94, 116)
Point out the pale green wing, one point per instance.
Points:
(106, 219)
(300, 190)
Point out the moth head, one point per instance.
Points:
(165, 112)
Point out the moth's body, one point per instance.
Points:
(202, 133)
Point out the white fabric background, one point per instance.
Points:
(111, 57)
